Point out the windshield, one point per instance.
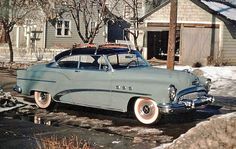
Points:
(127, 60)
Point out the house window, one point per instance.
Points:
(28, 25)
(63, 28)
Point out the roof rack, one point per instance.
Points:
(113, 45)
(84, 45)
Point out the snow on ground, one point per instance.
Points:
(21, 102)
(223, 78)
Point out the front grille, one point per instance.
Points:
(192, 96)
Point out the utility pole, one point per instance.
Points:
(172, 35)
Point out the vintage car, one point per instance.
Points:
(113, 77)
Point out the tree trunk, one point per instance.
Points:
(136, 43)
(10, 45)
(172, 35)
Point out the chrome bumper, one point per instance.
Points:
(185, 104)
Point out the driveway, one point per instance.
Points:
(103, 129)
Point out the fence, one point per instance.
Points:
(23, 55)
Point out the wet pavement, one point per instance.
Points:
(103, 129)
(20, 134)
(106, 123)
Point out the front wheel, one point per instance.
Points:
(42, 99)
(146, 111)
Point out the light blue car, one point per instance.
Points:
(113, 77)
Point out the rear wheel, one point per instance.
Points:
(42, 99)
(146, 111)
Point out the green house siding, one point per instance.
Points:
(53, 41)
(229, 47)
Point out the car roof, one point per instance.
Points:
(101, 50)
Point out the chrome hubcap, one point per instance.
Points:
(146, 109)
(42, 97)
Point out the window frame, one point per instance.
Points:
(63, 28)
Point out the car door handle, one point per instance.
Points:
(76, 70)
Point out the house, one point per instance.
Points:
(37, 36)
(206, 32)
(60, 33)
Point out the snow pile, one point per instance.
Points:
(223, 9)
(218, 132)
(216, 73)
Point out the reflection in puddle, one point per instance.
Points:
(39, 120)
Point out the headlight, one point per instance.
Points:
(172, 92)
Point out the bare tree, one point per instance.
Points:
(132, 14)
(134, 10)
(49, 8)
(85, 12)
(14, 12)
(89, 15)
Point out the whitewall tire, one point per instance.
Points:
(42, 99)
(146, 110)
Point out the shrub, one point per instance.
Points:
(53, 142)
(218, 61)
(197, 64)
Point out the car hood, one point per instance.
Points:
(181, 79)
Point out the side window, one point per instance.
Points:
(69, 62)
(121, 61)
(113, 59)
(91, 62)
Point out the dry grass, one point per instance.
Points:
(54, 142)
(218, 61)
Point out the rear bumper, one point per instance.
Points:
(185, 105)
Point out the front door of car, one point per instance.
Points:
(87, 85)
(93, 88)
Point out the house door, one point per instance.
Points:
(198, 44)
